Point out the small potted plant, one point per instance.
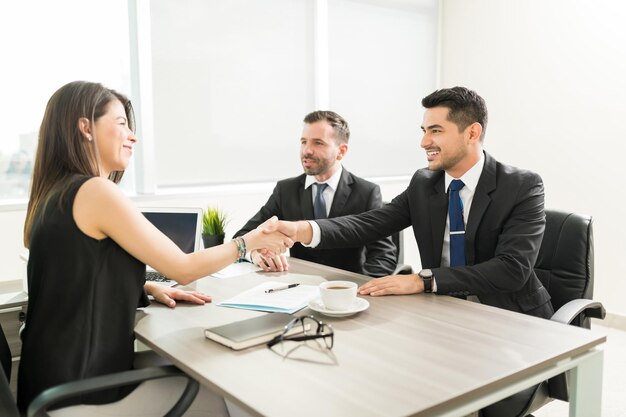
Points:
(213, 224)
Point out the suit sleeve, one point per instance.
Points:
(380, 255)
(367, 227)
(271, 208)
(518, 241)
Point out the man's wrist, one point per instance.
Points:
(427, 277)
(304, 233)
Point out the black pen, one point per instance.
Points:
(284, 287)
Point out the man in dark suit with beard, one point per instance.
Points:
(478, 223)
(325, 190)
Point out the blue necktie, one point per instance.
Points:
(319, 205)
(457, 225)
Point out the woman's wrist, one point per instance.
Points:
(149, 288)
(240, 243)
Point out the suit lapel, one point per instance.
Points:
(438, 206)
(306, 200)
(344, 189)
(480, 203)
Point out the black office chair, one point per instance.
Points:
(565, 267)
(398, 241)
(7, 403)
(51, 396)
(401, 267)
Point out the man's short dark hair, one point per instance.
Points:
(338, 123)
(466, 106)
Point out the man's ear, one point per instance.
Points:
(84, 125)
(343, 149)
(474, 131)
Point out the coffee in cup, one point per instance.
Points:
(338, 295)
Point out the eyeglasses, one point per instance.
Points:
(305, 328)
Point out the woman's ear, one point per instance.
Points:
(84, 125)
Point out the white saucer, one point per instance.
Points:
(359, 305)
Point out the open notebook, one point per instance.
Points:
(183, 225)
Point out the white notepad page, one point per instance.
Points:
(285, 301)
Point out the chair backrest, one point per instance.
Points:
(8, 407)
(398, 241)
(5, 355)
(565, 261)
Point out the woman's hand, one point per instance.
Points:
(168, 295)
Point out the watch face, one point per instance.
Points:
(426, 273)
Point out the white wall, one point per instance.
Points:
(553, 74)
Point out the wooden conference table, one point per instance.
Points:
(415, 355)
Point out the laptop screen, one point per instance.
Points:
(180, 227)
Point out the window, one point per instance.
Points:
(232, 81)
(382, 62)
(229, 81)
(46, 44)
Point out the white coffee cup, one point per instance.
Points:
(338, 295)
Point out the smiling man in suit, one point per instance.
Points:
(478, 223)
(325, 190)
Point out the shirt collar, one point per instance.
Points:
(333, 182)
(471, 177)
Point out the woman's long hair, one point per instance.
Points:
(63, 152)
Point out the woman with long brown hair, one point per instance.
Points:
(89, 246)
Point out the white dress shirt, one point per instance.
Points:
(470, 179)
(329, 192)
(328, 195)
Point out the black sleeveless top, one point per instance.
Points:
(82, 295)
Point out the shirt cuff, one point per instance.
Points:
(434, 285)
(317, 235)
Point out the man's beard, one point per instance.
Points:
(320, 167)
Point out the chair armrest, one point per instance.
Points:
(568, 312)
(51, 396)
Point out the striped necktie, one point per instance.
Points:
(457, 225)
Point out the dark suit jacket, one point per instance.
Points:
(290, 201)
(502, 237)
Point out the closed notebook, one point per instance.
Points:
(250, 332)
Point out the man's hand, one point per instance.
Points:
(269, 261)
(168, 295)
(268, 236)
(299, 231)
(393, 284)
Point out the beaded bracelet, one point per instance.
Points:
(241, 247)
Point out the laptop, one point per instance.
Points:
(183, 225)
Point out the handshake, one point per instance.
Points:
(270, 240)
